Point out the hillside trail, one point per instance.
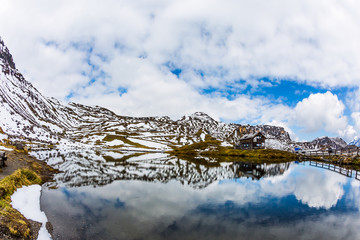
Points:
(21, 159)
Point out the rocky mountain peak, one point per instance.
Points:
(355, 141)
(199, 116)
(329, 142)
(27, 114)
(6, 59)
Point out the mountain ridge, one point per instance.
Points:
(28, 115)
(355, 142)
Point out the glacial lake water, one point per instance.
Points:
(156, 196)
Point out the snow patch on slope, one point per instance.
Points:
(27, 201)
(276, 144)
(5, 148)
(150, 144)
(355, 141)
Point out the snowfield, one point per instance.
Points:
(27, 201)
(5, 148)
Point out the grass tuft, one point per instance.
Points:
(10, 219)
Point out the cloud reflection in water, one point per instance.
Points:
(304, 202)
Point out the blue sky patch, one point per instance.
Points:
(121, 91)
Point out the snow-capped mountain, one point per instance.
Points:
(355, 141)
(28, 115)
(324, 142)
(158, 167)
(24, 111)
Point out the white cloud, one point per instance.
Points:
(348, 133)
(307, 40)
(68, 64)
(128, 44)
(353, 100)
(356, 117)
(321, 111)
(153, 91)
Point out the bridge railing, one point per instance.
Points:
(334, 152)
(335, 168)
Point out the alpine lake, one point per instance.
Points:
(116, 195)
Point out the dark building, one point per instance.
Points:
(3, 158)
(251, 141)
(256, 171)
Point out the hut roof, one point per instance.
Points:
(251, 135)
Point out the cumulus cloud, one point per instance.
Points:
(154, 91)
(322, 111)
(120, 54)
(356, 117)
(353, 100)
(231, 41)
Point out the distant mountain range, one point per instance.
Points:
(27, 115)
(355, 142)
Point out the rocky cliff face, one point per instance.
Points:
(24, 111)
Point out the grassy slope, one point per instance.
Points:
(11, 220)
(109, 138)
(213, 148)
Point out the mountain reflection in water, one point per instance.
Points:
(91, 168)
(163, 197)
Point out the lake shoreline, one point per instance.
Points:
(20, 170)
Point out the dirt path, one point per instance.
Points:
(18, 160)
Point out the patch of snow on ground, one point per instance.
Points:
(27, 201)
(275, 144)
(115, 142)
(148, 156)
(136, 149)
(226, 144)
(149, 143)
(183, 140)
(115, 155)
(202, 136)
(7, 121)
(148, 134)
(96, 137)
(3, 136)
(55, 160)
(5, 148)
(139, 125)
(121, 128)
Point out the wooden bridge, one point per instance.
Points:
(338, 169)
(332, 152)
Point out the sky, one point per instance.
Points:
(294, 64)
